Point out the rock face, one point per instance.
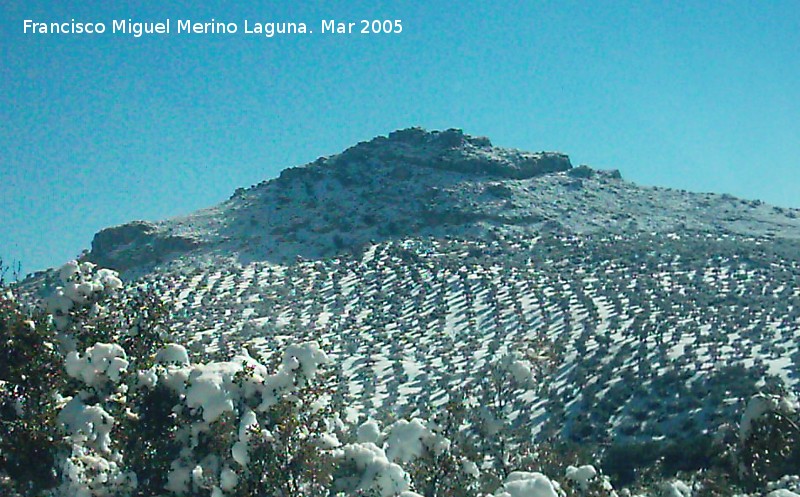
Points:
(119, 236)
(452, 150)
(136, 243)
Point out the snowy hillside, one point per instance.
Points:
(429, 255)
(416, 183)
(647, 336)
(425, 262)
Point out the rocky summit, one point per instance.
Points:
(415, 183)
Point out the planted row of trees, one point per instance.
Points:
(98, 399)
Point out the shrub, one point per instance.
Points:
(30, 377)
(769, 440)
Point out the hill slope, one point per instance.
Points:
(645, 336)
(416, 183)
(429, 257)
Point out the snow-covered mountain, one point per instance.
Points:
(428, 257)
(415, 183)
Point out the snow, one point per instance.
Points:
(520, 370)
(758, 406)
(87, 474)
(174, 354)
(208, 388)
(581, 475)
(327, 441)
(58, 303)
(87, 424)
(101, 362)
(68, 270)
(369, 431)
(308, 358)
(411, 351)
(228, 480)
(409, 440)
(248, 425)
(782, 493)
(373, 469)
(179, 477)
(526, 484)
(676, 488)
(80, 285)
(470, 468)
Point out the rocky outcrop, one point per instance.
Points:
(451, 138)
(452, 150)
(518, 165)
(110, 238)
(135, 244)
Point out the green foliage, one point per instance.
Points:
(715, 482)
(145, 425)
(771, 450)
(33, 382)
(148, 438)
(30, 375)
(438, 476)
(289, 462)
(136, 320)
(625, 462)
(443, 474)
(553, 456)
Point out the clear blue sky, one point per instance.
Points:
(101, 130)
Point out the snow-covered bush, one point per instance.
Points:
(495, 424)
(769, 439)
(525, 484)
(787, 486)
(406, 454)
(675, 488)
(67, 390)
(96, 402)
(364, 467)
(82, 286)
(30, 377)
(406, 441)
(135, 415)
(581, 476)
(245, 431)
(85, 472)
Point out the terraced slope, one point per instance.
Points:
(645, 336)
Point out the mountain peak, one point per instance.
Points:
(450, 138)
(453, 150)
(418, 183)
